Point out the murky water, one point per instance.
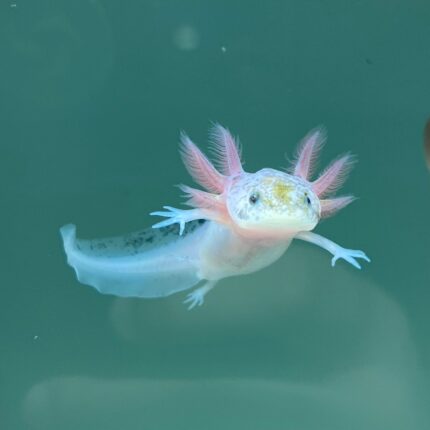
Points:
(93, 96)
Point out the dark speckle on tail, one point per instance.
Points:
(129, 244)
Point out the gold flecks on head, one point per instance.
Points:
(282, 191)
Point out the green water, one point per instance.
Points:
(93, 95)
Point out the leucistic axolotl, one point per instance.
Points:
(239, 224)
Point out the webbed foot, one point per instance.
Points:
(350, 256)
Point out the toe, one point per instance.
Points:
(188, 299)
(356, 264)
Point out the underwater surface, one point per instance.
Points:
(93, 95)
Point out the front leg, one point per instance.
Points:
(180, 216)
(336, 250)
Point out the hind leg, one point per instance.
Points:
(196, 298)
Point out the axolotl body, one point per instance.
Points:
(241, 223)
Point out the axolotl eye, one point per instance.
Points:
(253, 198)
(308, 200)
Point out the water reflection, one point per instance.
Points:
(363, 398)
(309, 321)
(186, 38)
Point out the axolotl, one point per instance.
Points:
(240, 223)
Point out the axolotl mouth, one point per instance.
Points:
(271, 201)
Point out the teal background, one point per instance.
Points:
(93, 95)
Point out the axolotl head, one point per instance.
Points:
(270, 202)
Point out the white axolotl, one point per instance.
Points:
(240, 224)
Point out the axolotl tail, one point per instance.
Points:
(147, 263)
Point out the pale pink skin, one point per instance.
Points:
(251, 220)
(254, 216)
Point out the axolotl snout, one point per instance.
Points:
(239, 224)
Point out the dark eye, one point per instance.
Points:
(253, 198)
(308, 200)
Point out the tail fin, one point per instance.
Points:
(148, 263)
